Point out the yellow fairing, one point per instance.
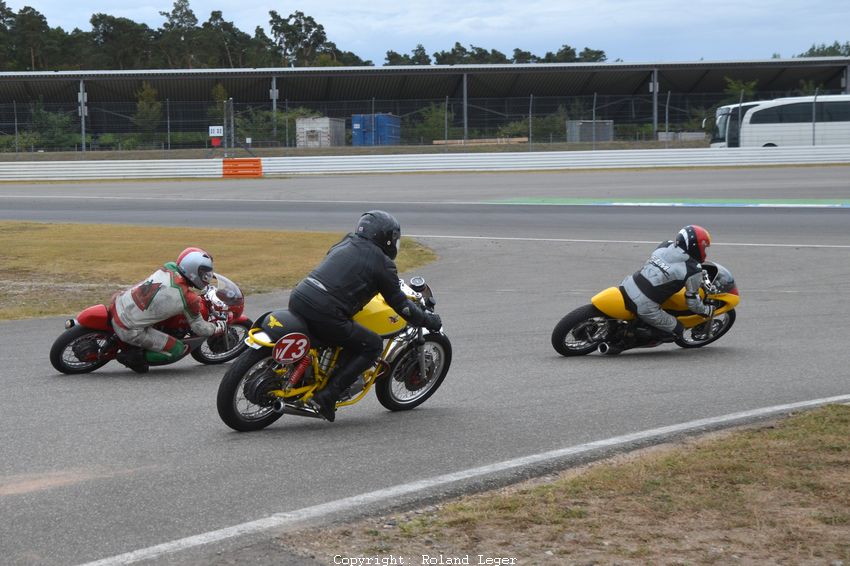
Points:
(610, 302)
(379, 317)
(678, 302)
(729, 300)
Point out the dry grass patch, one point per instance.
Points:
(777, 494)
(49, 269)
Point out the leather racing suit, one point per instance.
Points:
(667, 270)
(353, 271)
(165, 293)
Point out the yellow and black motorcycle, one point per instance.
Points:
(607, 324)
(284, 365)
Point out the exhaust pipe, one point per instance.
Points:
(284, 409)
(607, 349)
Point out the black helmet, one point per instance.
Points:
(694, 240)
(381, 228)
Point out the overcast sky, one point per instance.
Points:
(637, 31)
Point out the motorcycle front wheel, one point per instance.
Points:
(252, 371)
(580, 332)
(77, 350)
(698, 336)
(402, 387)
(224, 348)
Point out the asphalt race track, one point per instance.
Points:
(104, 464)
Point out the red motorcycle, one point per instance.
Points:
(89, 341)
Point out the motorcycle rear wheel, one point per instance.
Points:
(65, 359)
(696, 337)
(234, 408)
(580, 332)
(221, 349)
(401, 387)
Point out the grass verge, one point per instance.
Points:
(773, 494)
(53, 269)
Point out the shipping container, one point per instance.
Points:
(375, 129)
(319, 132)
(588, 130)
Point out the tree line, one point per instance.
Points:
(28, 43)
(836, 49)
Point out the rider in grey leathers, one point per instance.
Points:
(674, 264)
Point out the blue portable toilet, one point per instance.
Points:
(375, 129)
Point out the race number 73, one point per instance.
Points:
(291, 348)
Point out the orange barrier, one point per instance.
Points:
(244, 167)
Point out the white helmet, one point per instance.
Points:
(196, 265)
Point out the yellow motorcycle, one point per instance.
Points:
(607, 324)
(285, 366)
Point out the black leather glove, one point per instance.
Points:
(432, 322)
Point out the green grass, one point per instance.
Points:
(52, 269)
(773, 494)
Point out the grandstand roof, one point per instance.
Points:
(428, 82)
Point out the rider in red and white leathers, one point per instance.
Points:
(165, 293)
(673, 265)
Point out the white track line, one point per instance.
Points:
(294, 518)
(578, 241)
(628, 204)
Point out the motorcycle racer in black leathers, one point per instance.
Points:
(673, 265)
(353, 271)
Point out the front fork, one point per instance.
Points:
(420, 345)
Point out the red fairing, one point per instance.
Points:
(95, 317)
(237, 310)
(239, 319)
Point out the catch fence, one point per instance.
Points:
(520, 122)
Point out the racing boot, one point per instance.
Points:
(133, 358)
(326, 398)
(666, 337)
(325, 401)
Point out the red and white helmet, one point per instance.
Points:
(196, 266)
(694, 240)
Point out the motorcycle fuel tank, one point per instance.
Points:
(380, 318)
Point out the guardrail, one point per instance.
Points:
(107, 169)
(449, 162)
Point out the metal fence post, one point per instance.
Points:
(593, 122)
(83, 110)
(465, 111)
(530, 115)
(168, 122)
(232, 125)
(224, 125)
(273, 93)
(653, 88)
(15, 111)
(446, 126)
